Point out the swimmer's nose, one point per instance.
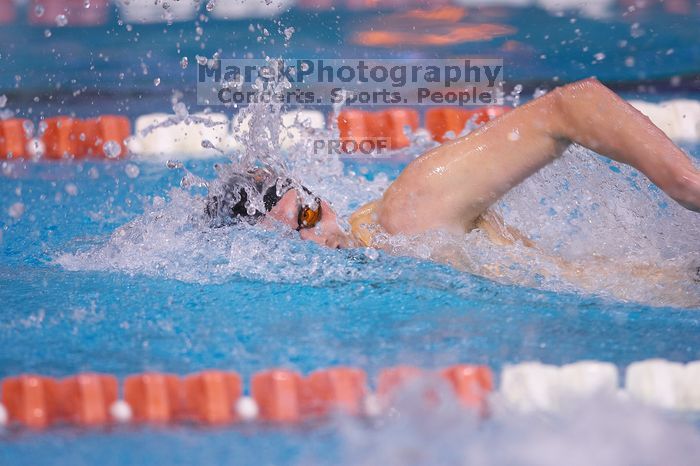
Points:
(333, 243)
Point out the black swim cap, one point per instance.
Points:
(230, 205)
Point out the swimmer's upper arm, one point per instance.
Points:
(450, 186)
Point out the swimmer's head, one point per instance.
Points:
(282, 200)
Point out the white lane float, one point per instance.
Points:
(530, 386)
(691, 387)
(533, 386)
(679, 118)
(595, 9)
(588, 378)
(477, 3)
(665, 384)
(204, 134)
(250, 9)
(297, 126)
(150, 11)
(198, 135)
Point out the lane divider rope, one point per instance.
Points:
(282, 396)
(208, 134)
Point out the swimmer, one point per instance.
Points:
(450, 188)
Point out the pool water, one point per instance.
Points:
(108, 267)
(327, 308)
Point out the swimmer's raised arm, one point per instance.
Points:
(451, 186)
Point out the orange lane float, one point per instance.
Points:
(389, 125)
(394, 378)
(335, 389)
(392, 125)
(448, 13)
(13, 138)
(352, 124)
(60, 138)
(103, 136)
(7, 11)
(447, 34)
(278, 393)
(441, 120)
(471, 384)
(209, 397)
(154, 397)
(31, 400)
(68, 12)
(86, 398)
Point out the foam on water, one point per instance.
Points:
(600, 431)
(600, 227)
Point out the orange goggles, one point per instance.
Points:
(309, 217)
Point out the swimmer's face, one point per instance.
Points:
(325, 231)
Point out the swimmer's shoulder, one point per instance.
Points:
(363, 223)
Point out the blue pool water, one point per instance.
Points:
(81, 292)
(390, 310)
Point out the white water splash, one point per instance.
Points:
(600, 228)
(597, 431)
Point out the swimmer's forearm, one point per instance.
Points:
(595, 117)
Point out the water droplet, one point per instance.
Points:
(112, 149)
(184, 62)
(39, 11)
(28, 127)
(36, 148)
(371, 253)
(180, 110)
(156, 82)
(3, 101)
(16, 210)
(86, 3)
(71, 189)
(132, 171)
(201, 60)
(211, 5)
(47, 33)
(600, 56)
(173, 164)
(61, 20)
